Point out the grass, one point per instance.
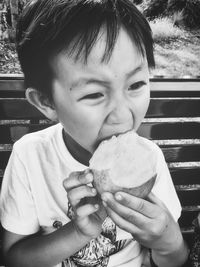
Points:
(164, 30)
(177, 51)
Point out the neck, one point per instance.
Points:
(77, 151)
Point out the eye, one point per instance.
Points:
(92, 96)
(137, 85)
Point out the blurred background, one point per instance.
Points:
(175, 25)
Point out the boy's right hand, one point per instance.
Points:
(88, 210)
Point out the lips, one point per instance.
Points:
(114, 133)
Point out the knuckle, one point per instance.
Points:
(157, 229)
(154, 231)
(69, 195)
(129, 217)
(143, 236)
(84, 177)
(140, 205)
(72, 175)
(163, 217)
(65, 184)
(126, 202)
(80, 177)
(113, 205)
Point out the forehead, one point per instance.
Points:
(125, 56)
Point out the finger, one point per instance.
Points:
(139, 205)
(125, 212)
(75, 195)
(76, 179)
(154, 199)
(123, 223)
(86, 210)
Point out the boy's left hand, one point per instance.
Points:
(149, 221)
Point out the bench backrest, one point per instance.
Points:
(172, 121)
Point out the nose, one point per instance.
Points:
(120, 112)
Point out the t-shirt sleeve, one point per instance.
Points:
(164, 188)
(17, 209)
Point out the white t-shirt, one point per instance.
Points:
(33, 197)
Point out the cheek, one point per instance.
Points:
(82, 123)
(140, 108)
(144, 104)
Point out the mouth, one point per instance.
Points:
(114, 134)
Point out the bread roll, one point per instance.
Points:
(124, 163)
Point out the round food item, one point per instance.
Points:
(124, 163)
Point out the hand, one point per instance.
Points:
(149, 221)
(89, 213)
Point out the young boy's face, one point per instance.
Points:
(96, 100)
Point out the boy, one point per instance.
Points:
(86, 66)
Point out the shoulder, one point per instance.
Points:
(37, 140)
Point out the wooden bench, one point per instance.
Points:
(173, 122)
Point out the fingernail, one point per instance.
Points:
(89, 177)
(94, 191)
(118, 197)
(96, 206)
(104, 198)
(104, 203)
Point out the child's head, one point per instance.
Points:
(48, 27)
(90, 58)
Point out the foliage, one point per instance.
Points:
(176, 6)
(164, 30)
(155, 8)
(191, 14)
(9, 13)
(185, 12)
(177, 50)
(137, 2)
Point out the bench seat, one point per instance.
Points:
(172, 121)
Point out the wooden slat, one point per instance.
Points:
(1, 254)
(159, 87)
(175, 84)
(4, 156)
(11, 83)
(12, 108)
(188, 187)
(188, 215)
(157, 84)
(18, 109)
(189, 198)
(181, 153)
(171, 107)
(184, 176)
(10, 134)
(170, 130)
(170, 98)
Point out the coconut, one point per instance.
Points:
(124, 163)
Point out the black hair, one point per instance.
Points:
(48, 27)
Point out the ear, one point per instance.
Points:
(42, 103)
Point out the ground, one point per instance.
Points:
(176, 56)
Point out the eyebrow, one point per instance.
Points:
(89, 81)
(103, 82)
(136, 70)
